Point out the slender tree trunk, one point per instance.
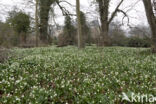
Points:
(37, 23)
(80, 39)
(151, 20)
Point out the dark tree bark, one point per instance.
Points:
(44, 16)
(45, 6)
(151, 20)
(104, 11)
(154, 4)
(104, 39)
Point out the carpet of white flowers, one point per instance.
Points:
(67, 75)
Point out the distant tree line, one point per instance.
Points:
(15, 32)
(18, 27)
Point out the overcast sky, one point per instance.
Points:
(136, 14)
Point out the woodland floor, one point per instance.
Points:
(94, 75)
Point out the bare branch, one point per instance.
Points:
(125, 16)
(115, 11)
(63, 9)
(66, 3)
(154, 6)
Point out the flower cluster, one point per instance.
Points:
(67, 75)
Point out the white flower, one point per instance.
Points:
(17, 99)
(18, 81)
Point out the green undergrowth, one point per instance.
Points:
(70, 76)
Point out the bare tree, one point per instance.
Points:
(151, 20)
(104, 6)
(43, 7)
(80, 39)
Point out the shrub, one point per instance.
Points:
(139, 42)
(7, 36)
(117, 35)
(68, 35)
(4, 54)
(20, 22)
(85, 30)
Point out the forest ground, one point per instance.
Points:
(68, 75)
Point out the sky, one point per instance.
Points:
(136, 12)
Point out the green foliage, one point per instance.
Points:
(20, 22)
(7, 36)
(85, 29)
(3, 31)
(69, 33)
(140, 36)
(139, 42)
(4, 54)
(69, 30)
(67, 75)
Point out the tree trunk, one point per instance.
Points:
(80, 39)
(44, 26)
(44, 17)
(151, 20)
(104, 38)
(37, 23)
(104, 12)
